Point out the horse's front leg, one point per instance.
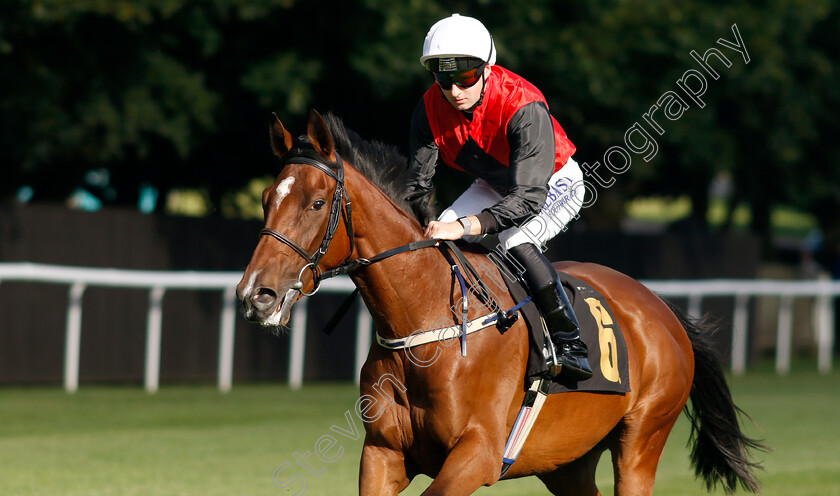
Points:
(475, 461)
(382, 471)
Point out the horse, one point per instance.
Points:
(338, 206)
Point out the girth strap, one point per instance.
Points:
(442, 334)
(445, 333)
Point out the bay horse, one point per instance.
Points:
(447, 415)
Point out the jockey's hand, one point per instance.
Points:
(444, 230)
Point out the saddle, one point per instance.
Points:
(598, 327)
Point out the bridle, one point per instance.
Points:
(340, 207)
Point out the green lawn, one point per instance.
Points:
(195, 441)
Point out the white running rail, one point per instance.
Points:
(158, 282)
(742, 290)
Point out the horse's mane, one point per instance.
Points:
(382, 164)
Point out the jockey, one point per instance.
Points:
(488, 121)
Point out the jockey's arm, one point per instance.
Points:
(532, 150)
(423, 157)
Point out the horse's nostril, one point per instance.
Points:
(263, 298)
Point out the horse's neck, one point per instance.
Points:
(399, 290)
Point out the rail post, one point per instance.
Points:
(298, 347)
(226, 335)
(73, 339)
(740, 323)
(784, 334)
(154, 325)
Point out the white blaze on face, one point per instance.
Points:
(283, 189)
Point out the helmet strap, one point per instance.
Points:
(483, 80)
(481, 98)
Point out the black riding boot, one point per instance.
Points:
(570, 353)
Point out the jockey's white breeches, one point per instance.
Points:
(566, 193)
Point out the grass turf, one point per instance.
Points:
(195, 441)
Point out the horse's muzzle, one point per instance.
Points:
(264, 306)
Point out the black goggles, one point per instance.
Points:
(463, 79)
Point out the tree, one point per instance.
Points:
(178, 93)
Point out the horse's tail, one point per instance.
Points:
(719, 450)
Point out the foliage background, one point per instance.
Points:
(116, 96)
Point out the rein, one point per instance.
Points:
(349, 266)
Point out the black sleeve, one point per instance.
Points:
(532, 150)
(423, 156)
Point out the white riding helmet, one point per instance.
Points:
(455, 37)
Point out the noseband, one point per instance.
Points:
(336, 211)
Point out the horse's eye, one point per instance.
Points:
(318, 205)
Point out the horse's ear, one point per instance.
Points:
(281, 140)
(320, 136)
